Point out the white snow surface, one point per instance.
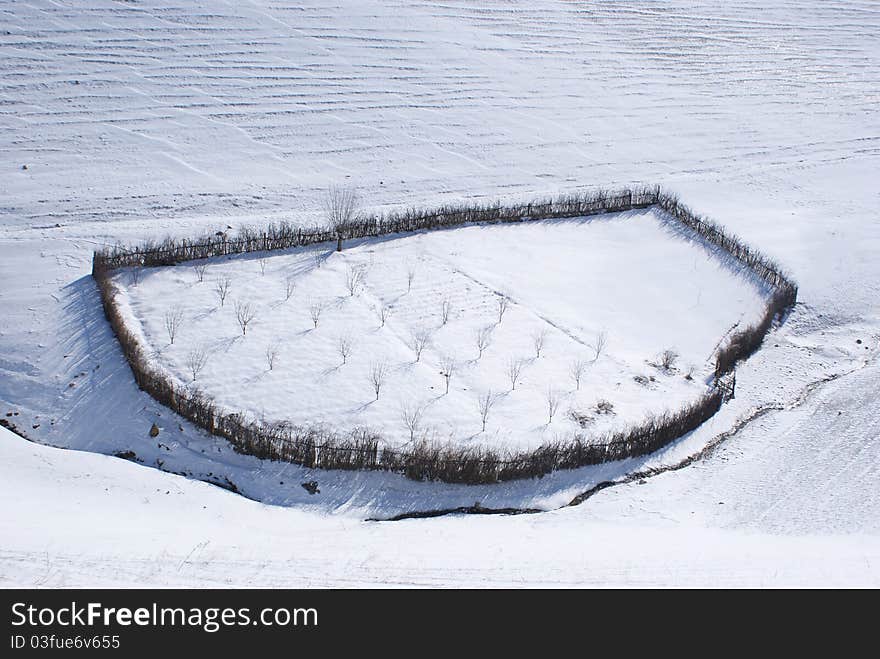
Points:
(141, 120)
(634, 282)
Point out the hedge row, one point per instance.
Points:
(744, 342)
(285, 235)
(322, 448)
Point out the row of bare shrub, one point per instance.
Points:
(481, 465)
(284, 235)
(322, 448)
(745, 342)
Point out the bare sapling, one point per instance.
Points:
(173, 321)
(135, 275)
(378, 375)
(445, 310)
(553, 400)
(411, 415)
(485, 403)
(668, 358)
(196, 360)
(289, 287)
(382, 313)
(577, 369)
(221, 287)
(539, 339)
(514, 371)
(419, 340)
(317, 258)
(410, 275)
(342, 206)
(244, 314)
(503, 302)
(344, 347)
(200, 269)
(263, 261)
(448, 366)
(315, 309)
(271, 355)
(482, 339)
(599, 344)
(354, 277)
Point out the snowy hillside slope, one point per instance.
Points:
(139, 120)
(89, 520)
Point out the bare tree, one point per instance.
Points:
(539, 338)
(383, 313)
(599, 344)
(445, 310)
(344, 346)
(315, 309)
(485, 403)
(419, 340)
(200, 269)
(196, 360)
(667, 359)
(263, 261)
(553, 400)
(482, 339)
(289, 287)
(503, 302)
(411, 415)
(410, 275)
(173, 321)
(354, 277)
(135, 276)
(318, 257)
(271, 355)
(341, 205)
(221, 287)
(378, 375)
(577, 369)
(244, 314)
(514, 370)
(448, 367)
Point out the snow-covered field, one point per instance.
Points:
(140, 120)
(562, 312)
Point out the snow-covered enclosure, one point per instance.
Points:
(121, 122)
(574, 314)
